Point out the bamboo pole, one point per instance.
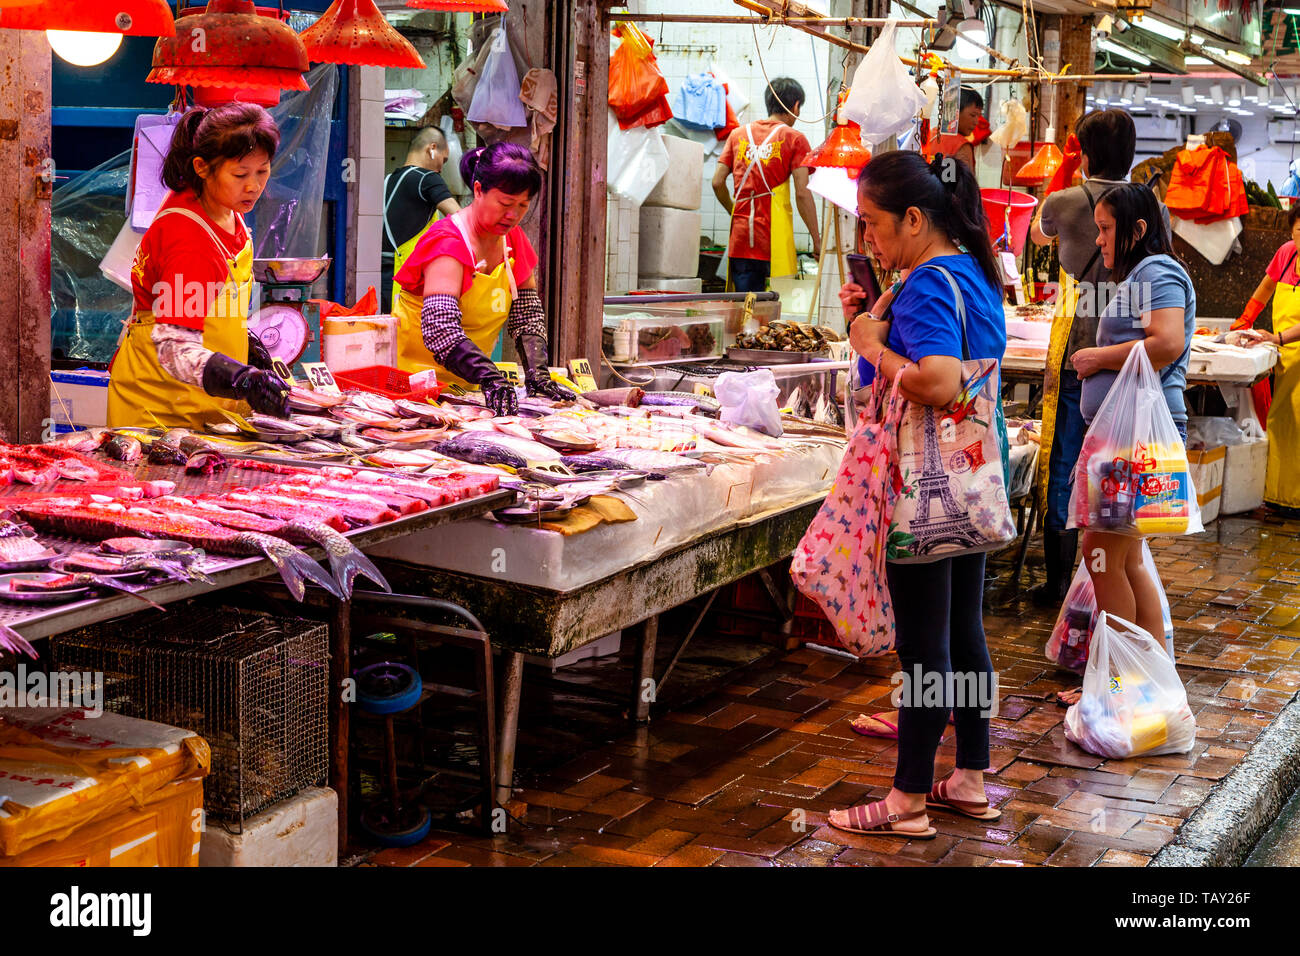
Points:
(772, 20)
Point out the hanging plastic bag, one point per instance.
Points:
(1015, 125)
(496, 98)
(451, 169)
(1132, 475)
(1133, 700)
(749, 398)
(635, 81)
(884, 96)
(1072, 636)
(464, 79)
(638, 159)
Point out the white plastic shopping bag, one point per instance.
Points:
(496, 98)
(638, 159)
(1072, 637)
(884, 97)
(1133, 700)
(749, 398)
(1132, 475)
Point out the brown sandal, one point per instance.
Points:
(975, 809)
(874, 819)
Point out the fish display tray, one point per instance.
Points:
(773, 356)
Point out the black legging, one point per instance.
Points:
(938, 608)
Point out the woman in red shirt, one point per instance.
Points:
(183, 356)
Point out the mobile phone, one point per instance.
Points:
(864, 275)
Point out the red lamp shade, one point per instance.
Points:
(1040, 168)
(355, 32)
(137, 18)
(460, 6)
(230, 45)
(17, 3)
(843, 149)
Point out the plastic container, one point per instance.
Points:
(1022, 212)
(359, 342)
(1160, 494)
(1244, 471)
(387, 381)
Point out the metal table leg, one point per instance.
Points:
(509, 726)
(340, 672)
(643, 686)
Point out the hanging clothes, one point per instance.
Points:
(701, 102)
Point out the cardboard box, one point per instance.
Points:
(1206, 466)
(79, 399)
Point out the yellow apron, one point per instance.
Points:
(1067, 301)
(484, 309)
(141, 392)
(1282, 484)
(403, 252)
(783, 260)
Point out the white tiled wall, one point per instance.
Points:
(370, 176)
(622, 248)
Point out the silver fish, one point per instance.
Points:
(346, 562)
(495, 448)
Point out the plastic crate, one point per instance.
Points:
(389, 382)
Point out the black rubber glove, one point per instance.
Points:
(468, 361)
(537, 376)
(258, 356)
(264, 391)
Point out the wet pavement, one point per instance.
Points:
(1280, 846)
(751, 747)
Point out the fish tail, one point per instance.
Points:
(346, 562)
(296, 569)
(15, 643)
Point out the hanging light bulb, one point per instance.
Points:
(83, 48)
(1216, 94)
(1189, 95)
(356, 33)
(1234, 95)
(460, 6)
(243, 56)
(137, 18)
(1139, 95)
(970, 32)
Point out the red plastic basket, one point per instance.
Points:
(386, 381)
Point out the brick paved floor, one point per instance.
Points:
(745, 775)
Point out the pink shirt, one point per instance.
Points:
(444, 239)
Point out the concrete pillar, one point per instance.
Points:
(25, 189)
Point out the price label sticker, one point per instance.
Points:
(282, 370)
(582, 376)
(702, 389)
(511, 372)
(320, 378)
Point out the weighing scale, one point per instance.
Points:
(287, 322)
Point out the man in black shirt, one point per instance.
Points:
(413, 194)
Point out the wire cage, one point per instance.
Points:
(253, 686)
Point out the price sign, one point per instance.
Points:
(582, 376)
(282, 370)
(320, 378)
(511, 372)
(702, 389)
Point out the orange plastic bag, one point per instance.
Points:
(635, 82)
(1232, 189)
(1199, 186)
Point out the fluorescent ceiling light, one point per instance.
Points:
(1232, 56)
(1112, 47)
(1196, 61)
(1160, 28)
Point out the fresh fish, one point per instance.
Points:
(319, 446)
(16, 545)
(164, 452)
(417, 436)
(681, 399)
(404, 458)
(637, 459)
(565, 439)
(358, 443)
(319, 426)
(31, 474)
(97, 522)
(401, 503)
(206, 463)
(494, 448)
(224, 428)
(364, 416)
(594, 461)
(14, 643)
(83, 441)
(93, 562)
(424, 412)
(346, 562)
(412, 488)
(278, 506)
(273, 425)
(511, 426)
(373, 402)
(81, 579)
(608, 397)
(209, 511)
(361, 509)
(308, 400)
(128, 546)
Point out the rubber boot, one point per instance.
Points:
(1060, 548)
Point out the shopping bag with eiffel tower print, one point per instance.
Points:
(840, 563)
(950, 475)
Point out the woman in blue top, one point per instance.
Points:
(1153, 306)
(925, 219)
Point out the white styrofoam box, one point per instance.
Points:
(604, 647)
(79, 398)
(1207, 466)
(359, 342)
(682, 185)
(669, 243)
(680, 286)
(1244, 472)
(300, 831)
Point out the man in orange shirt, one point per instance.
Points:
(763, 157)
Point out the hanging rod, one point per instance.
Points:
(762, 21)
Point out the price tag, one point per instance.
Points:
(320, 378)
(282, 370)
(702, 389)
(511, 372)
(582, 376)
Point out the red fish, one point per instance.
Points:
(278, 506)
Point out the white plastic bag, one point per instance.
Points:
(496, 98)
(1132, 475)
(1014, 127)
(638, 159)
(1133, 700)
(451, 169)
(1072, 637)
(749, 398)
(884, 97)
(464, 79)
